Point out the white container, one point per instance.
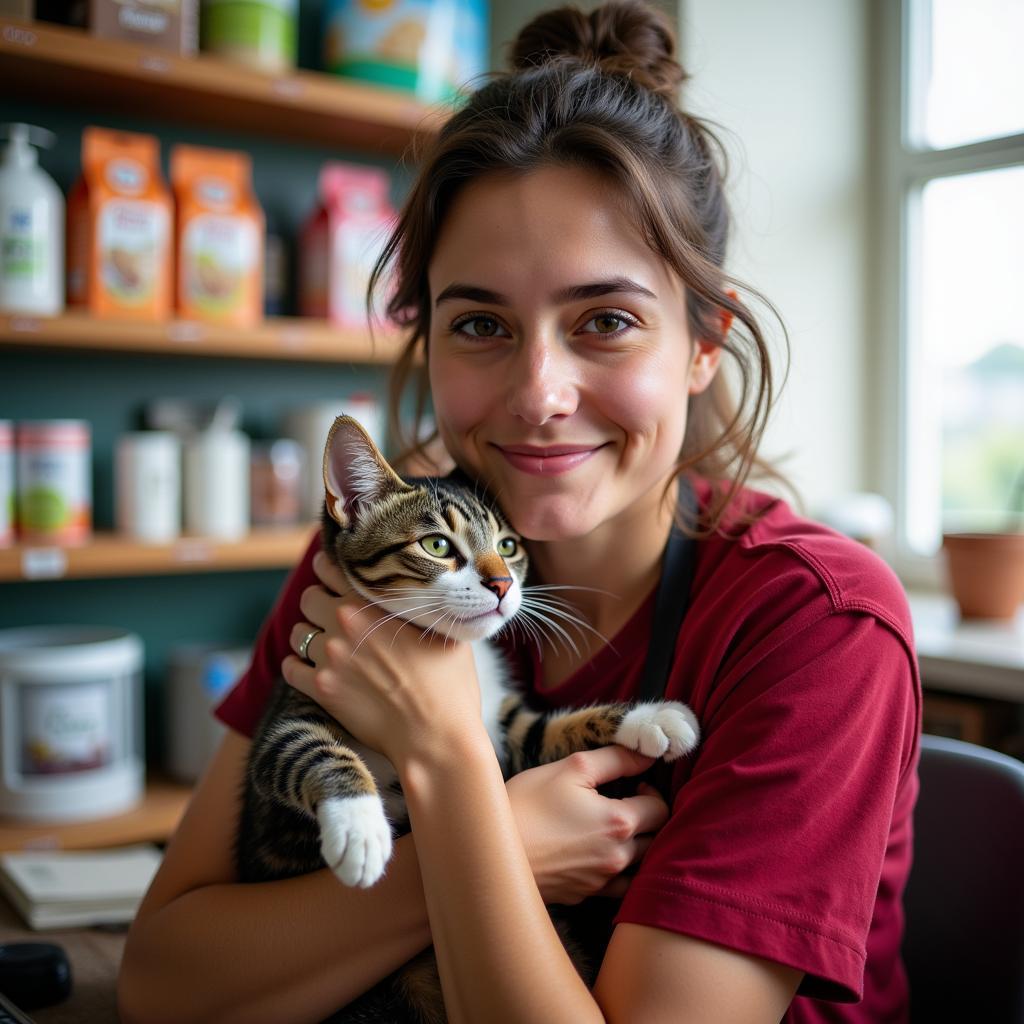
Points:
(310, 427)
(217, 484)
(199, 677)
(148, 482)
(70, 722)
(6, 483)
(54, 481)
(31, 227)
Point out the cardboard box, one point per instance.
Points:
(162, 24)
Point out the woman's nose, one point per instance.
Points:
(542, 383)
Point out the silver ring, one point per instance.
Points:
(306, 641)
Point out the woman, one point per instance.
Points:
(560, 261)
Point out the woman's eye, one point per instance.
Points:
(436, 545)
(482, 327)
(507, 547)
(610, 323)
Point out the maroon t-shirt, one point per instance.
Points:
(790, 832)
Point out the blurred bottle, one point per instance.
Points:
(275, 483)
(31, 227)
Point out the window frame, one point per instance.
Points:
(904, 165)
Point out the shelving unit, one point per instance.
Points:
(152, 821)
(284, 338)
(79, 73)
(72, 67)
(109, 555)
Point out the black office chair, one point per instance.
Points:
(964, 942)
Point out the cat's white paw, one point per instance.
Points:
(355, 838)
(665, 729)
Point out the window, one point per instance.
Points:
(954, 212)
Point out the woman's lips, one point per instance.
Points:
(550, 461)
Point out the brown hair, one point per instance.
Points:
(599, 91)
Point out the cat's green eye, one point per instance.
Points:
(507, 547)
(436, 545)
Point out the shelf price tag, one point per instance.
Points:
(193, 550)
(23, 325)
(157, 65)
(43, 563)
(19, 36)
(290, 88)
(185, 331)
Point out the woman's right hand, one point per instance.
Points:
(579, 842)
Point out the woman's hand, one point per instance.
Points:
(393, 686)
(579, 842)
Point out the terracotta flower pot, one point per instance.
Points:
(986, 573)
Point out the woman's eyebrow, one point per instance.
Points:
(573, 293)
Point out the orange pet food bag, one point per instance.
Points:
(220, 235)
(119, 228)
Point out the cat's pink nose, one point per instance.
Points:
(499, 586)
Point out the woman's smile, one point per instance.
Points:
(547, 461)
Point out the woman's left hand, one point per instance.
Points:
(394, 687)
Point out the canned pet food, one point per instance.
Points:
(54, 481)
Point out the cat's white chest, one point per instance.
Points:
(493, 678)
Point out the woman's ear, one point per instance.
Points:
(708, 354)
(704, 366)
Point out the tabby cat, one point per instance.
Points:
(432, 552)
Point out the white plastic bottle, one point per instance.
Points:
(31, 227)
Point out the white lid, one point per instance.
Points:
(58, 653)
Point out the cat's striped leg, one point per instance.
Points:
(665, 729)
(304, 764)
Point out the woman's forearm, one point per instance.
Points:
(292, 950)
(499, 956)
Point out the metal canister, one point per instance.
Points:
(54, 481)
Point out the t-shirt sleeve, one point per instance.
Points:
(776, 841)
(243, 707)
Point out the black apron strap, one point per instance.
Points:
(672, 599)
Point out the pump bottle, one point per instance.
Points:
(31, 226)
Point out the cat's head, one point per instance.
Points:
(428, 550)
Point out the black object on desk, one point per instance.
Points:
(34, 974)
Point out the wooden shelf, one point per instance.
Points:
(113, 555)
(152, 821)
(278, 338)
(74, 68)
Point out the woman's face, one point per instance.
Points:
(560, 358)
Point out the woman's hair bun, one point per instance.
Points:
(623, 37)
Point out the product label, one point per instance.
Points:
(219, 253)
(6, 493)
(356, 248)
(65, 728)
(131, 236)
(22, 245)
(54, 493)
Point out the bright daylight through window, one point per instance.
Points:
(964, 165)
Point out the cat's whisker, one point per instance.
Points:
(564, 610)
(540, 620)
(534, 588)
(389, 618)
(430, 628)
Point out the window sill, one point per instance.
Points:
(981, 657)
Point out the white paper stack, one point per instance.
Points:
(68, 889)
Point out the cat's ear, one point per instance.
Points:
(355, 472)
